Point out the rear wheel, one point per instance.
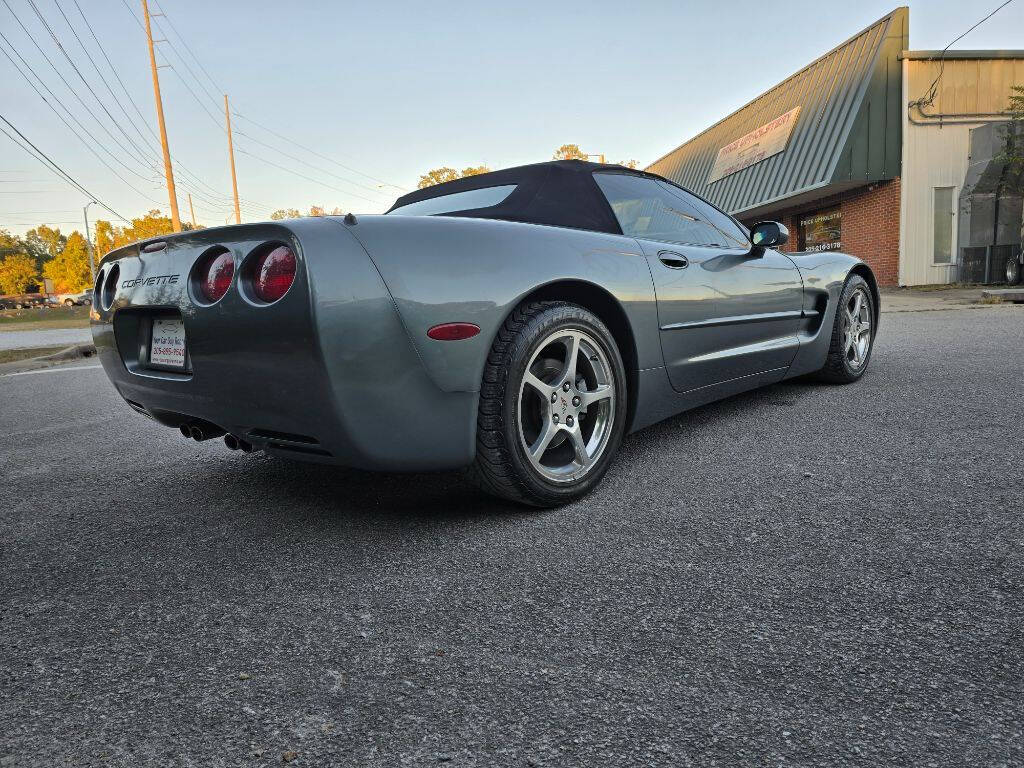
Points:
(552, 406)
(853, 334)
(1012, 270)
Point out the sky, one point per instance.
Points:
(382, 92)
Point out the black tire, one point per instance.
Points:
(843, 364)
(503, 467)
(1012, 271)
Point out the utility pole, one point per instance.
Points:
(231, 156)
(168, 172)
(88, 241)
(191, 210)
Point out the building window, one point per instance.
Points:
(820, 230)
(942, 216)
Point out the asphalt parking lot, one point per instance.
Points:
(803, 575)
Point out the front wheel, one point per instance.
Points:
(1012, 270)
(552, 406)
(853, 334)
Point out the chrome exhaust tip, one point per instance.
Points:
(185, 431)
(231, 442)
(245, 446)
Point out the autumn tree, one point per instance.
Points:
(69, 269)
(153, 224)
(569, 152)
(18, 273)
(441, 175)
(285, 213)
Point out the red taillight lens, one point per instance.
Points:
(216, 277)
(273, 274)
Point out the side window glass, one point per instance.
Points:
(646, 209)
(731, 234)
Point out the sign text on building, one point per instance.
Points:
(770, 139)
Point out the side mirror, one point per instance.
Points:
(768, 234)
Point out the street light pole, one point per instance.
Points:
(88, 241)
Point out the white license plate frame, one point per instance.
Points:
(168, 344)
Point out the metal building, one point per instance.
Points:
(843, 151)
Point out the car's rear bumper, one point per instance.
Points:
(326, 374)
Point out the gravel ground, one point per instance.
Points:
(44, 338)
(804, 575)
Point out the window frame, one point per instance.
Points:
(952, 226)
(510, 187)
(676, 189)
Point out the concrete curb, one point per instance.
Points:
(74, 352)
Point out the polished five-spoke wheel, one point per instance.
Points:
(566, 405)
(853, 333)
(552, 407)
(857, 329)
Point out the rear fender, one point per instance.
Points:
(450, 269)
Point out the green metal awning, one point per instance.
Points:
(834, 125)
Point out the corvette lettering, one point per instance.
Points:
(154, 280)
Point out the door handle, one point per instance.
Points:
(673, 260)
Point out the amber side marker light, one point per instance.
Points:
(453, 331)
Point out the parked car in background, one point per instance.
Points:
(23, 301)
(83, 298)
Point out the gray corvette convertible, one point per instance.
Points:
(517, 323)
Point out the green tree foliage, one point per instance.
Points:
(69, 269)
(18, 273)
(1013, 151)
(441, 175)
(44, 243)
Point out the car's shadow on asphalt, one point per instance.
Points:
(329, 492)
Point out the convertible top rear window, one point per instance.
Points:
(458, 201)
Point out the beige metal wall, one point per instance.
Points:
(935, 150)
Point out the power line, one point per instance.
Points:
(310, 165)
(74, 93)
(85, 82)
(68, 125)
(43, 158)
(933, 88)
(314, 152)
(309, 178)
(103, 79)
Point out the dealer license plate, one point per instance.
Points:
(167, 345)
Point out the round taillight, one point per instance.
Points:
(216, 274)
(273, 274)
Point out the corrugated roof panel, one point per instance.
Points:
(836, 93)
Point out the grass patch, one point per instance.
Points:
(13, 355)
(991, 300)
(36, 319)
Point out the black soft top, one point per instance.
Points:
(561, 193)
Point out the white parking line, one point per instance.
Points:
(53, 370)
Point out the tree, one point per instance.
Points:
(285, 213)
(18, 273)
(44, 243)
(573, 152)
(69, 270)
(569, 152)
(441, 175)
(153, 224)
